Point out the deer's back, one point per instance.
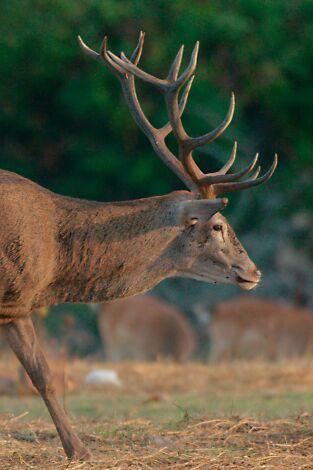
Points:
(144, 328)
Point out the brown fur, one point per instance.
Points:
(144, 328)
(251, 327)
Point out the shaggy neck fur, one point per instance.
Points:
(114, 250)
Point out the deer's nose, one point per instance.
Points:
(251, 270)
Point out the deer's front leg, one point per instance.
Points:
(23, 340)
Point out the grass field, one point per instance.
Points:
(230, 416)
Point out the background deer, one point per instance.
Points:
(250, 327)
(144, 328)
(58, 249)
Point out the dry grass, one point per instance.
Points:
(174, 416)
(230, 443)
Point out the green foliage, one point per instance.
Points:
(64, 122)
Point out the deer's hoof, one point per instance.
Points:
(80, 454)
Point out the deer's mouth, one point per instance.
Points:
(246, 284)
(240, 279)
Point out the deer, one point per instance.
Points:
(57, 249)
(253, 327)
(144, 328)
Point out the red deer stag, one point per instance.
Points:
(144, 328)
(250, 327)
(58, 249)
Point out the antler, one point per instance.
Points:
(209, 185)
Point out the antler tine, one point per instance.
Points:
(189, 71)
(182, 104)
(162, 84)
(214, 178)
(229, 162)
(256, 173)
(133, 69)
(105, 58)
(184, 98)
(254, 181)
(194, 142)
(173, 73)
(135, 57)
(90, 52)
(101, 57)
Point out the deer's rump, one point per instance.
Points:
(26, 244)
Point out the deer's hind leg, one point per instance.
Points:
(23, 340)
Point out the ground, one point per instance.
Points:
(195, 416)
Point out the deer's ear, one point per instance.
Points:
(192, 212)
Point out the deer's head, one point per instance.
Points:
(208, 248)
(211, 252)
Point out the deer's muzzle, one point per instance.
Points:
(246, 279)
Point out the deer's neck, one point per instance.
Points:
(114, 250)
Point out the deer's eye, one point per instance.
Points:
(218, 228)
